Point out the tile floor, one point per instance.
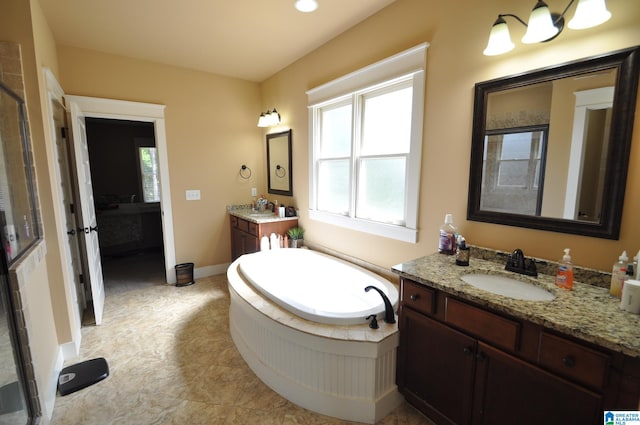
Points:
(172, 360)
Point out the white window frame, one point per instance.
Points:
(411, 62)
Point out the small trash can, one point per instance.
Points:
(184, 274)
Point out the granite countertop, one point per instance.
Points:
(587, 312)
(257, 217)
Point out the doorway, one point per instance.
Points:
(126, 189)
(88, 108)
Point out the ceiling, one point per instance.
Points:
(247, 39)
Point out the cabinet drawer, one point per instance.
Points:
(243, 225)
(418, 297)
(234, 221)
(253, 229)
(483, 324)
(573, 360)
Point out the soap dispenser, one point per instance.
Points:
(619, 275)
(564, 275)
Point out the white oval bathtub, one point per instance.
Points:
(317, 287)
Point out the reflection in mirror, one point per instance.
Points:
(279, 163)
(569, 126)
(514, 163)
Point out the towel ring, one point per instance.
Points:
(244, 173)
(277, 172)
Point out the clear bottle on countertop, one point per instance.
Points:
(564, 275)
(447, 243)
(636, 272)
(619, 275)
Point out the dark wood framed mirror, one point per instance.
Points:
(279, 163)
(580, 172)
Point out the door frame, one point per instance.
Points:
(70, 349)
(93, 107)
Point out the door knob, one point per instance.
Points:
(71, 232)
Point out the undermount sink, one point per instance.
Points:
(508, 287)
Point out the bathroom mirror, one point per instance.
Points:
(550, 148)
(279, 162)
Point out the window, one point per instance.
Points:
(149, 174)
(513, 169)
(366, 144)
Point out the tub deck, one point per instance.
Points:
(344, 371)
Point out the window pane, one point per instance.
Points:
(386, 127)
(381, 190)
(335, 136)
(513, 173)
(333, 186)
(149, 173)
(516, 146)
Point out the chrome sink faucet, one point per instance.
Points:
(518, 263)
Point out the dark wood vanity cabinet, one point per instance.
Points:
(246, 235)
(460, 363)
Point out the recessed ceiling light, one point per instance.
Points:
(306, 5)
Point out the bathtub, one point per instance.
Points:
(317, 287)
(324, 358)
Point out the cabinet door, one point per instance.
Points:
(509, 391)
(242, 243)
(437, 368)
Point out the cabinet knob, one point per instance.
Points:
(467, 350)
(413, 297)
(569, 361)
(480, 356)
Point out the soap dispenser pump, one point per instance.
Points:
(564, 276)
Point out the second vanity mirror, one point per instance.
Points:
(550, 148)
(279, 177)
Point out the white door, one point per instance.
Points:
(87, 213)
(63, 174)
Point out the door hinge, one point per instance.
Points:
(63, 132)
(81, 278)
(72, 209)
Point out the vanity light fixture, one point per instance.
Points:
(269, 118)
(544, 25)
(306, 6)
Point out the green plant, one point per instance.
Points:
(295, 233)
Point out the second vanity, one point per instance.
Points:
(248, 227)
(468, 356)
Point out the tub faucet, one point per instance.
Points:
(389, 315)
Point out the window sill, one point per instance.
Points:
(390, 231)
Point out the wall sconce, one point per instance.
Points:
(269, 118)
(306, 5)
(545, 25)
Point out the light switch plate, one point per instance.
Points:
(193, 195)
(254, 191)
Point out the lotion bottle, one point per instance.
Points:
(564, 275)
(619, 275)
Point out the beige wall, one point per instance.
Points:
(458, 33)
(211, 131)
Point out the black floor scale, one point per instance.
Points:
(81, 375)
